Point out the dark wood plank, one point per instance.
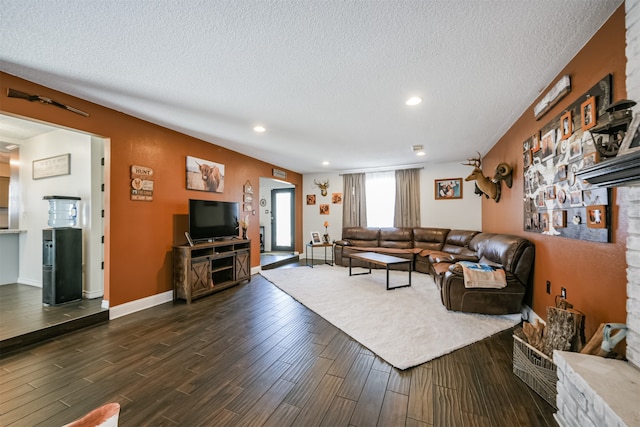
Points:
(319, 402)
(251, 355)
(369, 404)
(420, 406)
(339, 413)
(394, 410)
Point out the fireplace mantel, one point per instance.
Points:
(614, 172)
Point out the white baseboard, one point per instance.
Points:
(256, 270)
(30, 282)
(140, 304)
(93, 294)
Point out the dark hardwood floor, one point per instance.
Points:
(251, 355)
(24, 321)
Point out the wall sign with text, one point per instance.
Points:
(141, 183)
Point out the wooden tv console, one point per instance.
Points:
(206, 268)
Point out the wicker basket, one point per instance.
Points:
(534, 368)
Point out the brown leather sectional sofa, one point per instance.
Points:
(436, 251)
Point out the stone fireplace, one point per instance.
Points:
(593, 391)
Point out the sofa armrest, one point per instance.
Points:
(456, 258)
(342, 243)
(435, 259)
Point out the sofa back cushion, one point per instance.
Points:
(361, 236)
(399, 238)
(458, 241)
(515, 254)
(429, 238)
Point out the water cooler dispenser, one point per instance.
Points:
(61, 252)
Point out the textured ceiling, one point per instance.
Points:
(327, 78)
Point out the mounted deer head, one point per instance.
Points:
(322, 186)
(484, 185)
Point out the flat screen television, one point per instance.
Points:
(213, 220)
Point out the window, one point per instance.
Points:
(381, 198)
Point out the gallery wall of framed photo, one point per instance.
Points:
(556, 202)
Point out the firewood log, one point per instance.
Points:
(534, 333)
(594, 346)
(564, 330)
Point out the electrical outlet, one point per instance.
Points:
(548, 287)
(563, 293)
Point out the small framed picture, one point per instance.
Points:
(551, 192)
(588, 110)
(248, 207)
(547, 144)
(449, 188)
(575, 148)
(596, 216)
(248, 198)
(561, 171)
(311, 199)
(336, 198)
(324, 209)
(590, 159)
(315, 238)
(544, 222)
(526, 159)
(631, 140)
(566, 126)
(575, 198)
(535, 142)
(559, 219)
(562, 196)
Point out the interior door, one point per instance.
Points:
(282, 219)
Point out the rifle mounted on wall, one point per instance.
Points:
(12, 93)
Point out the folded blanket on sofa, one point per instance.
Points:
(478, 275)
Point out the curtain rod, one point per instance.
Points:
(381, 169)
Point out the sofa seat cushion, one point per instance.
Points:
(389, 251)
(427, 253)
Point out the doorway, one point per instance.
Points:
(28, 141)
(282, 219)
(277, 223)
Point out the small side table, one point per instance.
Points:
(311, 247)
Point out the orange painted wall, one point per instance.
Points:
(140, 235)
(594, 274)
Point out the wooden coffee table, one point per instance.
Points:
(374, 258)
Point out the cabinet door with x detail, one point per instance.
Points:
(200, 276)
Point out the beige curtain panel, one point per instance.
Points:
(407, 210)
(354, 200)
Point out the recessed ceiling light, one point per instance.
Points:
(325, 163)
(413, 101)
(418, 149)
(259, 129)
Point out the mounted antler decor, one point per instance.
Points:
(489, 187)
(322, 186)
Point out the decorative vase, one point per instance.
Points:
(244, 233)
(325, 238)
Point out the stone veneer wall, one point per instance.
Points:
(633, 275)
(632, 10)
(596, 392)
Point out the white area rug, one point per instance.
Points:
(406, 326)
